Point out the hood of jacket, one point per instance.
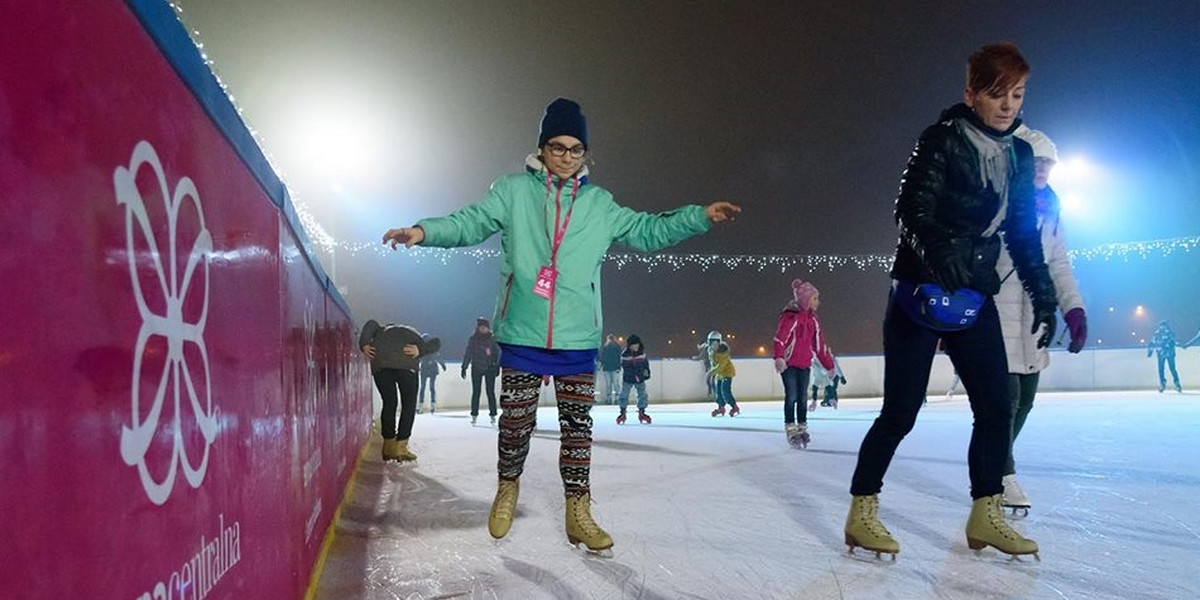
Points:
(534, 164)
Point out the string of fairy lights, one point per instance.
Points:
(1123, 252)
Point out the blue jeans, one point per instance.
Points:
(623, 401)
(977, 353)
(612, 385)
(795, 381)
(428, 381)
(724, 387)
(1168, 360)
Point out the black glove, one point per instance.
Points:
(951, 272)
(464, 373)
(1044, 315)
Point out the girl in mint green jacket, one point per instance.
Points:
(555, 228)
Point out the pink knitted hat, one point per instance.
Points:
(803, 292)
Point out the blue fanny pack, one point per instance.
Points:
(929, 305)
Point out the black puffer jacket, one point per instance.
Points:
(943, 209)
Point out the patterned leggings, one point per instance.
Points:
(518, 417)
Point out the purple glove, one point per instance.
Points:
(1076, 324)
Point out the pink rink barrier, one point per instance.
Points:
(181, 405)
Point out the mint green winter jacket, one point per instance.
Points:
(523, 209)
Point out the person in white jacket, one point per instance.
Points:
(1025, 359)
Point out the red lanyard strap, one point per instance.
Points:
(559, 232)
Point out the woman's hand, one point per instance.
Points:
(409, 236)
(369, 351)
(721, 211)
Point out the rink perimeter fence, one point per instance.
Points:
(183, 403)
(682, 380)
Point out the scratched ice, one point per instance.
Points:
(703, 507)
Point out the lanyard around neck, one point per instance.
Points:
(559, 232)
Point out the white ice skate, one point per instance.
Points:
(1014, 497)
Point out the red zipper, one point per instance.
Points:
(507, 295)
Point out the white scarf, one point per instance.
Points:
(995, 166)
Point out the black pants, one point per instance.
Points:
(1021, 391)
(388, 381)
(978, 355)
(478, 378)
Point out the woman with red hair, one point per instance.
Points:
(968, 180)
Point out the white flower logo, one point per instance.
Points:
(176, 375)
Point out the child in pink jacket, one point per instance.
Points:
(797, 339)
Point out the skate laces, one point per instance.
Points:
(996, 517)
(870, 519)
(506, 501)
(582, 515)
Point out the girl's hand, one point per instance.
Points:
(409, 236)
(721, 211)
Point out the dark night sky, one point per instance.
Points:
(802, 112)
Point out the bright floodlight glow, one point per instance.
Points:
(1140, 310)
(1072, 170)
(1071, 203)
(1081, 188)
(341, 138)
(338, 143)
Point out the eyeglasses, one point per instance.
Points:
(558, 149)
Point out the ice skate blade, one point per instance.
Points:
(1018, 511)
(1011, 557)
(878, 553)
(589, 552)
(852, 543)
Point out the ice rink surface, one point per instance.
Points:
(703, 507)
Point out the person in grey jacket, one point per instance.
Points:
(431, 365)
(1025, 359)
(394, 351)
(610, 366)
